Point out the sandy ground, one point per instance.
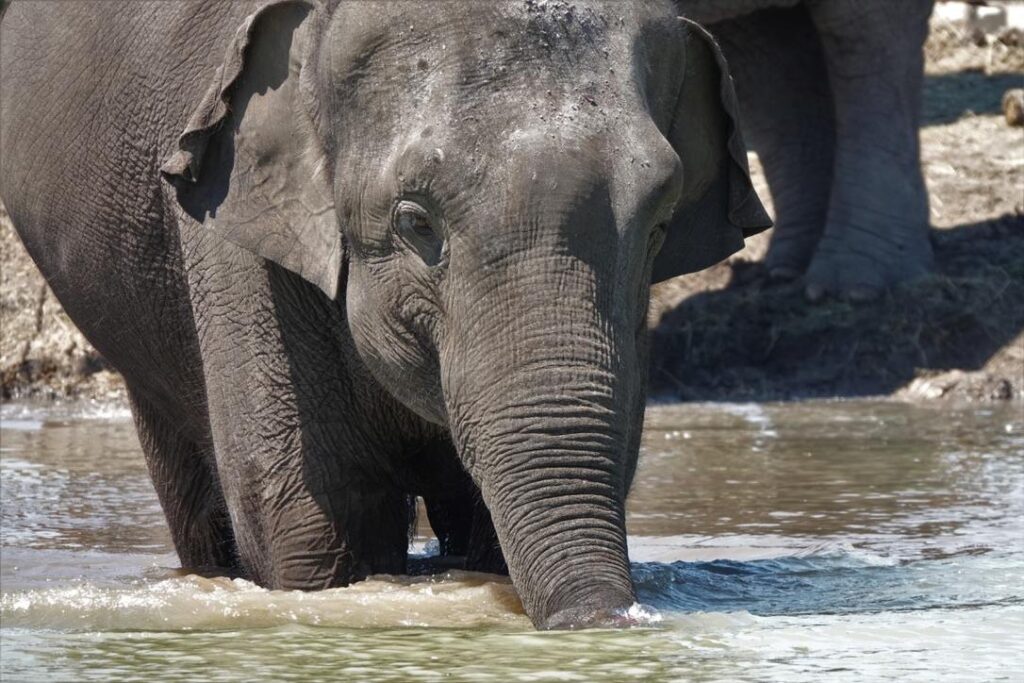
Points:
(726, 334)
(973, 162)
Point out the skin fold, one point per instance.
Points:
(346, 254)
(830, 92)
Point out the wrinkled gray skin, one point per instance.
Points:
(349, 254)
(830, 92)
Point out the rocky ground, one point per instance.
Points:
(729, 334)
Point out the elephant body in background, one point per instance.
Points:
(830, 92)
(347, 253)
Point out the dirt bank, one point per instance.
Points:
(727, 333)
(42, 354)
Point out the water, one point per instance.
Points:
(790, 542)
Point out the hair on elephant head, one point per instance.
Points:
(489, 189)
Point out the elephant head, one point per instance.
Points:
(490, 189)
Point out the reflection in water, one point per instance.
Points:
(862, 471)
(79, 484)
(786, 542)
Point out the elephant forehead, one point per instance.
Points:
(491, 74)
(554, 23)
(424, 47)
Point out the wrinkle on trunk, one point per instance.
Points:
(558, 509)
(548, 437)
(543, 387)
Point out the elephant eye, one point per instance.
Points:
(412, 219)
(415, 228)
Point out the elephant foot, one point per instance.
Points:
(815, 292)
(783, 273)
(790, 250)
(858, 265)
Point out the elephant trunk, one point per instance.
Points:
(545, 409)
(555, 497)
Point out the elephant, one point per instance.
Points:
(831, 91)
(351, 254)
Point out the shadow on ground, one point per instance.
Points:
(948, 97)
(756, 340)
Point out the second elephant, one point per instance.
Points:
(830, 92)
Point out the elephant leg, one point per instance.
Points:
(779, 70)
(463, 527)
(306, 515)
(304, 442)
(187, 488)
(458, 515)
(451, 518)
(877, 229)
(330, 532)
(484, 554)
(311, 508)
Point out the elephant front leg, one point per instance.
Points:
(323, 531)
(782, 84)
(877, 229)
(294, 426)
(307, 511)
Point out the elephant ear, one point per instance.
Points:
(718, 207)
(249, 165)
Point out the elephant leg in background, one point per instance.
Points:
(877, 229)
(485, 554)
(462, 523)
(782, 84)
(187, 488)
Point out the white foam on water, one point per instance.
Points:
(32, 413)
(845, 551)
(642, 615)
(196, 603)
(755, 415)
(747, 548)
(21, 425)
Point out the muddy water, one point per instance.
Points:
(852, 541)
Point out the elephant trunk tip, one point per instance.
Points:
(634, 615)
